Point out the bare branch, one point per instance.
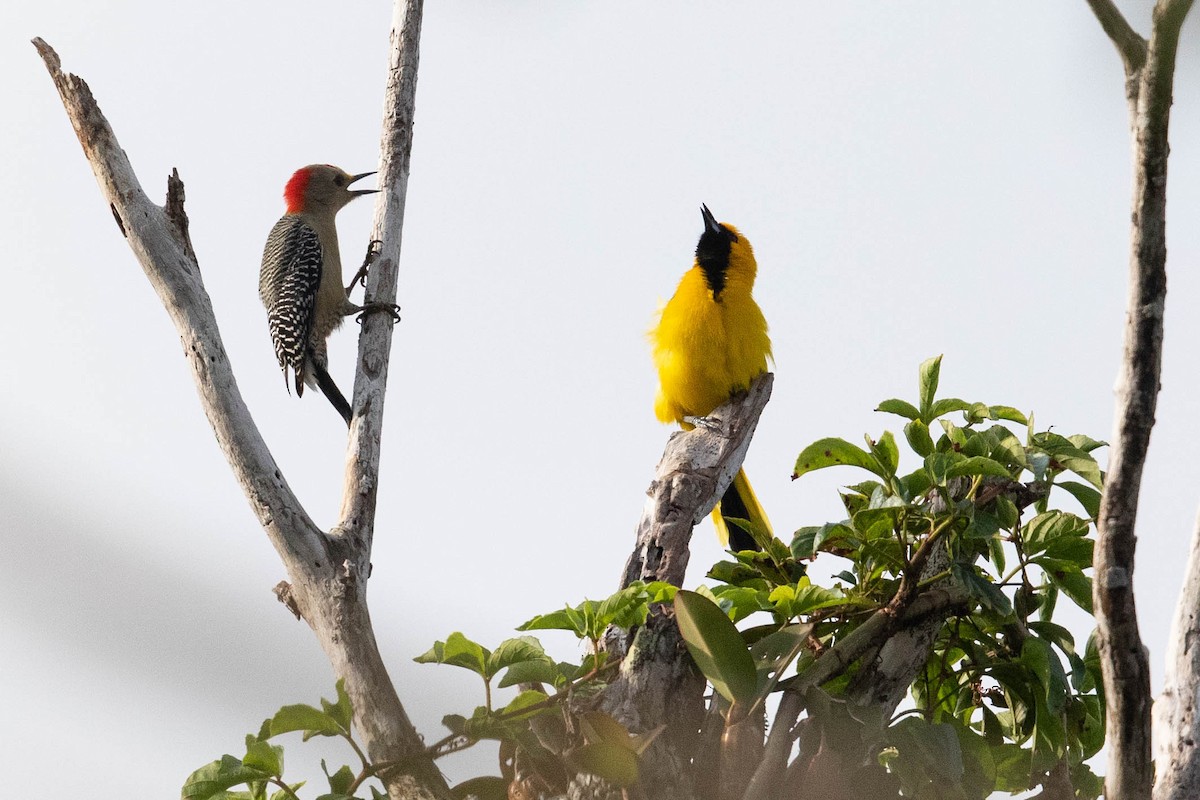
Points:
(375, 342)
(658, 686)
(328, 573)
(696, 468)
(1130, 45)
(1176, 715)
(1124, 662)
(158, 238)
(884, 623)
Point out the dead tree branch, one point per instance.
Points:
(1124, 660)
(375, 343)
(328, 571)
(1176, 712)
(696, 468)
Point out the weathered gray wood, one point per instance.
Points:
(328, 571)
(357, 516)
(696, 468)
(1176, 711)
(1150, 70)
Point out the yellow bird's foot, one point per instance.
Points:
(710, 423)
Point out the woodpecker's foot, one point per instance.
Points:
(373, 250)
(704, 422)
(391, 309)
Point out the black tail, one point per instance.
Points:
(733, 506)
(331, 391)
(739, 502)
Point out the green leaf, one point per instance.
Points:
(1007, 413)
(263, 756)
(803, 598)
(947, 405)
(539, 671)
(927, 754)
(1067, 553)
(312, 721)
(514, 651)
(927, 381)
(834, 452)
(804, 542)
(979, 768)
(566, 619)
(982, 589)
(899, 407)
(1085, 467)
(885, 452)
(212, 779)
(996, 553)
(523, 701)
(1039, 532)
(739, 602)
(1086, 443)
(1006, 511)
(458, 651)
(916, 482)
(613, 763)
(600, 727)
(716, 647)
(977, 465)
(1013, 767)
(1076, 586)
(1088, 717)
(342, 712)
(340, 781)
(486, 787)
(626, 608)
(1088, 497)
(1008, 448)
(774, 652)
(917, 434)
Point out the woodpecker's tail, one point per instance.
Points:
(330, 390)
(740, 503)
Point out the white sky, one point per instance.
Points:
(916, 178)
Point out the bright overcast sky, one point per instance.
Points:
(917, 178)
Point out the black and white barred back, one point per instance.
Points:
(288, 284)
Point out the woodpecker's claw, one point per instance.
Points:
(390, 309)
(373, 249)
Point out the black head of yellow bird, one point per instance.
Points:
(710, 343)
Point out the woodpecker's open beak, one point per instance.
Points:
(710, 222)
(358, 177)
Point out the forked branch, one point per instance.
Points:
(328, 571)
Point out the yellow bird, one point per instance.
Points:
(711, 342)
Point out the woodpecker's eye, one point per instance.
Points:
(339, 181)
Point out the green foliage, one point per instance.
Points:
(961, 503)
(262, 765)
(1005, 697)
(716, 647)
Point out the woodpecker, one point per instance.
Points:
(300, 282)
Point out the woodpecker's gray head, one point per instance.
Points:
(321, 186)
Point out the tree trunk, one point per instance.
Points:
(1149, 71)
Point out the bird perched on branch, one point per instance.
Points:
(300, 282)
(711, 342)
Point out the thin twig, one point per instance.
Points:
(1129, 43)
